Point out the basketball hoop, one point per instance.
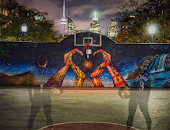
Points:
(87, 44)
(88, 51)
(81, 37)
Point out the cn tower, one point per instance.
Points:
(63, 20)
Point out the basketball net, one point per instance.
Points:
(88, 50)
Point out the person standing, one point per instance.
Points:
(139, 96)
(40, 97)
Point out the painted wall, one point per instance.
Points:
(19, 66)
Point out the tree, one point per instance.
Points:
(134, 28)
(39, 30)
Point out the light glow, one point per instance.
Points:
(87, 64)
(95, 18)
(152, 29)
(24, 28)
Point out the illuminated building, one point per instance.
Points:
(113, 29)
(63, 20)
(95, 25)
(38, 17)
(71, 27)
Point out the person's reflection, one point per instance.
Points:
(139, 97)
(39, 96)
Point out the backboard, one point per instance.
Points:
(82, 37)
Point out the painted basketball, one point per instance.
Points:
(124, 93)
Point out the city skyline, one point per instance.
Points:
(81, 12)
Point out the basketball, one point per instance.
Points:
(124, 93)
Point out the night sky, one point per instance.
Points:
(81, 11)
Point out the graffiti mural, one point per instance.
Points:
(157, 67)
(108, 65)
(58, 77)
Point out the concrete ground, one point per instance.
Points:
(91, 106)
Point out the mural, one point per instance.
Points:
(158, 69)
(58, 77)
(109, 65)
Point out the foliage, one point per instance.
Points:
(39, 30)
(134, 28)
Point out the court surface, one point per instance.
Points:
(79, 106)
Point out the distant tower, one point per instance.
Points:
(95, 25)
(113, 29)
(63, 20)
(71, 27)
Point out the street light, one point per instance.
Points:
(24, 29)
(152, 30)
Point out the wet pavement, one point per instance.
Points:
(23, 108)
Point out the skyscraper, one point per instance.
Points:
(71, 27)
(95, 25)
(113, 29)
(63, 20)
